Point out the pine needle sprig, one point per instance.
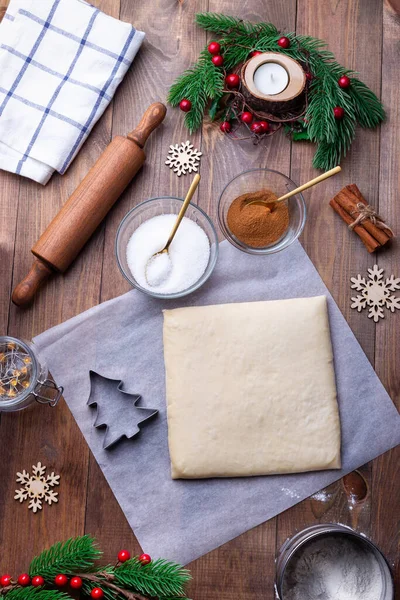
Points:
(158, 578)
(75, 555)
(222, 24)
(129, 580)
(32, 593)
(199, 84)
(369, 111)
(87, 587)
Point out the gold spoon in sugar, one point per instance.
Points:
(159, 265)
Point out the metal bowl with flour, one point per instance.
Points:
(332, 562)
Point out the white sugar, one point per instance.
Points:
(188, 254)
(333, 568)
(158, 269)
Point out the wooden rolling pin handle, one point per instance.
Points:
(151, 119)
(25, 291)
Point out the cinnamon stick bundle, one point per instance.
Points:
(373, 232)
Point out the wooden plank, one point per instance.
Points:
(245, 567)
(335, 251)
(161, 58)
(43, 434)
(9, 185)
(386, 472)
(224, 158)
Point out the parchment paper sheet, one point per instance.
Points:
(122, 339)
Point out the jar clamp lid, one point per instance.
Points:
(24, 376)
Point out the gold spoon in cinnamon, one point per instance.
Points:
(301, 188)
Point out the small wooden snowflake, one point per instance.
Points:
(375, 293)
(183, 158)
(37, 487)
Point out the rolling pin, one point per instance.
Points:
(86, 208)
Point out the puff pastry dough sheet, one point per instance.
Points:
(251, 389)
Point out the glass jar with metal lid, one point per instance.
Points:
(24, 377)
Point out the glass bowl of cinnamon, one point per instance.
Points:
(250, 218)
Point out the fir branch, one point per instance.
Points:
(368, 108)
(76, 554)
(220, 23)
(158, 578)
(328, 156)
(212, 111)
(199, 84)
(236, 48)
(110, 589)
(32, 593)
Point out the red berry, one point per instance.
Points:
(5, 580)
(255, 53)
(37, 581)
(185, 105)
(309, 76)
(97, 593)
(232, 80)
(214, 48)
(60, 580)
(344, 82)
(218, 60)
(76, 583)
(145, 559)
(246, 117)
(225, 127)
(264, 126)
(255, 127)
(338, 111)
(123, 556)
(284, 42)
(24, 579)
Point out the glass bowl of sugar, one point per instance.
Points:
(192, 255)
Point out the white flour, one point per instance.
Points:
(333, 568)
(189, 254)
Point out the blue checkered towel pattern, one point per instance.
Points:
(60, 64)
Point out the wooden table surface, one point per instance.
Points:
(365, 37)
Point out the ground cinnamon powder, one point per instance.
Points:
(258, 225)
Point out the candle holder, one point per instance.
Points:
(262, 80)
(255, 84)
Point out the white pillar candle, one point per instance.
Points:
(271, 78)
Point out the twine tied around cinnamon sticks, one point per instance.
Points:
(361, 218)
(368, 212)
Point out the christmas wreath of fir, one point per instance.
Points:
(332, 101)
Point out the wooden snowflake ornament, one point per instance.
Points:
(37, 487)
(376, 293)
(183, 158)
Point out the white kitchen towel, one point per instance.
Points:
(60, 64)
